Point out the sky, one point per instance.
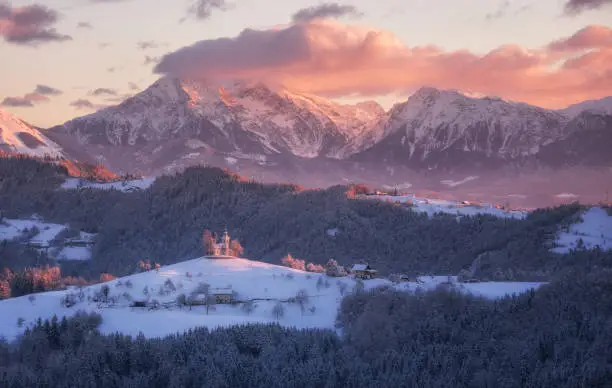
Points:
(65, 58)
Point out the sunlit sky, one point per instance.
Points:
(415, 50)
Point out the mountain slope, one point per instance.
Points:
(437, 128)
(176, 122)
(588, 143)
(261, 132)
(602, 106)
(19, 137)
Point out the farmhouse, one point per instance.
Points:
(222, 295)
(363, 271)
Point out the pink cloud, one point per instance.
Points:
(29, 25)
(590, 37)
(334, 59)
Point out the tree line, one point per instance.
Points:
(164, 224)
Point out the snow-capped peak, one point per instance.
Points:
(19, 137)
(436, 120)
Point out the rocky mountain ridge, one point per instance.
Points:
(247, 125)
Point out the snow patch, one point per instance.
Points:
(566, 196)
(125, 186)
(452, 183)
(433, 206)
(333, 232)
(231, 161)
(594, 230)
(76, 253)
(12, 229)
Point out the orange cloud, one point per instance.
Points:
(334, 59)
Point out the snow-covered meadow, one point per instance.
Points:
(594, 229)
(433, 206)
(123, 185)
(75, 248)
(265, 284)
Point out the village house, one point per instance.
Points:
(363, 271)
(222, 295)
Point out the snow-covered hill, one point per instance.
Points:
(265, 284)
(19, 137)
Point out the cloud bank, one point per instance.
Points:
(575, 7)
(29, 25)
(325, 11)
(333, 59)
(40, 94)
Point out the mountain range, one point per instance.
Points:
(265, 132)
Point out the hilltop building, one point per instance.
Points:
(223, 248)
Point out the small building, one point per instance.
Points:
(363, 271)
(222, 295)
(223, 248)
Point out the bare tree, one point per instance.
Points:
(302, 298)
(248, 307)
(278, 310)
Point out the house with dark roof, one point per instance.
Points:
(363, 271)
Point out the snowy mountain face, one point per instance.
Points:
(439, 127)
(249, 127)
(588, 142)
(177, 119)
(19, 137)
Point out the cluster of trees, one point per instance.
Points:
(164, 223)
(291, 262)
(38, 279)
(556, 336)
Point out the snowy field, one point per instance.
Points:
(125, 186)
(433, 206)
(594, 230)
(11, 229)
(267, 283)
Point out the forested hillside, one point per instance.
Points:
(164, 224)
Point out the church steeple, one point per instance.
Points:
(226, 243)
